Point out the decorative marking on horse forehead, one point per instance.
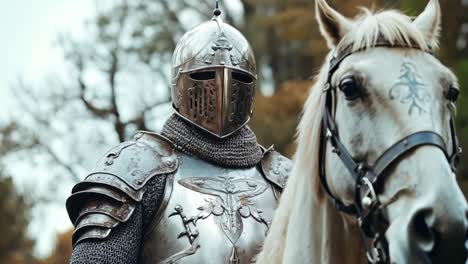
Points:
(410, 89)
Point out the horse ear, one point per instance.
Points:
(429, 22)
(333, 25)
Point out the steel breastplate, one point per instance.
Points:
(210, 214)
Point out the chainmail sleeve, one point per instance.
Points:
(123, 246)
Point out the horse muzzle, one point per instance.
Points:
(433, 231)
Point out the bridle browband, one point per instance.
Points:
(368, 178)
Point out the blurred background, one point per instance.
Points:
(78, 77)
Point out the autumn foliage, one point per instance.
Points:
(276, 117)
(62, 251)
(15, 245)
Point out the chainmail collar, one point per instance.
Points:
(239, 150)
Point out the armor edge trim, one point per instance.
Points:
(276, 168)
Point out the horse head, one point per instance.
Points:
(390, 106)
(382, 109)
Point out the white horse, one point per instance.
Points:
(381, 93)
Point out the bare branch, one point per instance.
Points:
(60, 162)
(173, 16)
(21, 92)
(98, 112)
(112, 72)
(9, 144)
(203, 9)
(139, 121)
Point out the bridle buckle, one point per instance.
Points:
(327, 88)
(378, 254)
(375, 256)
(369, 198)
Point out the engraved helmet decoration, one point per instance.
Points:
(213, 77)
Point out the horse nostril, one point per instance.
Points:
(423, 233)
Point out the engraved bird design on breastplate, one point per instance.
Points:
(230, 202)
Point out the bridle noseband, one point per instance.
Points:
(368, 178)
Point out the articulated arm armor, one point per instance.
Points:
(108, 196)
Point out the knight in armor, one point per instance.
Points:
(202, 191)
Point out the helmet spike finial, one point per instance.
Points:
(216, 11)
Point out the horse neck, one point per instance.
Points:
(340, 240)
(316, 231)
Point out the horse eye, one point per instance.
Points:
(452, 94)
(350, 87)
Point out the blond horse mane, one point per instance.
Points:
(302, 202)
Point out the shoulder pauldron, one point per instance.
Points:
(276, 168)
(109, 194)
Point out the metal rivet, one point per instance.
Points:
(169, 163)
(405, 142)
(138, 136)
(360, 168)
(366, 202)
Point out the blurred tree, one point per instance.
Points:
(15, 245)
(9, 139)
(290, 24)
(62, 252)
(455, 54)
(275, 118)
(118, 79)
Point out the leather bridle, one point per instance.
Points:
(369, 178)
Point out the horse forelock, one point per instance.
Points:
(390, 26)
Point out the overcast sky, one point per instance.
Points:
(28, 30)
